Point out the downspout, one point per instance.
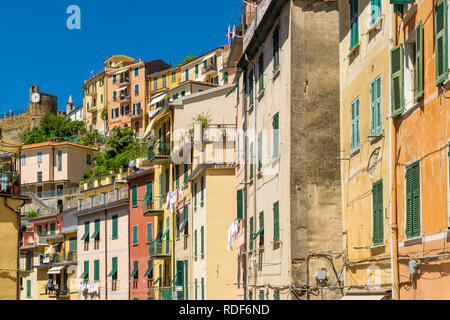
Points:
(393, 202)
(18, 244)
(254, 165)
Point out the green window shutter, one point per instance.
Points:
(160, 190)
(59, 160)
(186, 174)
(355, 131)
(52, 228)
(28, 288)
(276, 222)
(397, 80)
(186, 278)
(250, 295)
(251, 234)
(202, 191)
(196, 68)
(276, 128)
(164, 81)
(413, 200)
(135, 235)
(134, 196)
(167, 180)
(114, 78)
(155, 84)
(261, 72)
(136, 72)
(377, 213)
(149, 232)
(375, 13)
(401, 1)
(261, 294)
(196, 289)
(187, 74)
(86, 271)
(86, 232)
(260, 146)
(251, 161)
(73, 244)
(96, 270)
(149, 192)
(240, 207)
(276, 295)
(115, 227)
(419, 80)
(177, 176)
(195, 243)
(202, 241)
(354, 23)
(441, 37)
(195, 194)
(375, 103)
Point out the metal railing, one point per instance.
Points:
(210, 67)
(53, 193)
(154, 203)
(159, 149)
(102, 199)
(160, 248)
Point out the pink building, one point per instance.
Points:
(126, 82)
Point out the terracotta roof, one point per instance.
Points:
(54, 144)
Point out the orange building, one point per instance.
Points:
(420, 149)
(126, 79)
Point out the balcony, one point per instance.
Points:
(9, 180)
(123, 80)
(161, 249)
(153, 206)
(209, 69)
(123, 98)
(55, 291)
(136, 115)
(92, 109)
(103, 199)
(159, 153)
(256, 15)
(61, 258)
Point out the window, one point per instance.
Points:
(136, 89)
(85, 236)
(186, 75)
(136, 72)
(164, 81)
(186, 174)
(59, 161)
(39, 157)
(276, 222)
(354, 23)
(149, 232)
(196, 290)
(113, 273)
(101, 98)
(261, 229)
(250, 295)
(39, 176)
(261, 294)
(355, 134)
(135, 273)
(135, 235)
(167, 180)
(23, 160)
(261, 72)
(240, 204)
(276, 49)
(115, 227)
(375, 11)
(260, 151)
(251, 161)
(134, 196)
(114, 78)
(375, 102)
(202, 241)
(85, 275)
(202, 190)
(225, 77)
(96, 234)
(276, 295)
(96, 270)
(174, 76)
(397, 81)
(251, 234)
(114, 96)
(195, 243)
(377, 212)
(183, 93)
(413, 200)
(250, 86)
(196, 69)
(177, 176)
(275, 134)
(419, 81)
(195, 194)
(441, 42)
(89, 159)
(203, 288)
(155, 84)
(28, 289)
(52, 228)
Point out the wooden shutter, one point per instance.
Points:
(416, 199)
(203, 288)
(135, 235)
(397, 80)
(134, 196)
(260, 147)
(86, 270)
(115, 227)
(377, 212)
(240, 199)
(419, 84)
(202, 242)
(276, 222)
(97, 270)
(275, 127)
(251, 234)
(28, 288)
(196, 290)
(409, 223)
(195, 243)
(149, 232)
(441, 42)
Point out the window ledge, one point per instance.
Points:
(276, 72)
(378, 246)
(413, 241)
(355, 152)
(446, 84)
(353, 50)
(375, 26)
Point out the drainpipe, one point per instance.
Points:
(393, 175)
(254, 166)
(19, 226)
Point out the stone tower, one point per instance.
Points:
(70, 106)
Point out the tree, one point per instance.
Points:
(188, 59)
(53, 127)
(90, 139)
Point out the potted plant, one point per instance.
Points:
(13, 188)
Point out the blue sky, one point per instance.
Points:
(38, 48)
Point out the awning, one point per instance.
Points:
(121, 71)
(149, 129)
(95, 234)
(209, 56)
(135, 270)
(165, 234)
(257, 234)
(121, 89)
(150, 268)
(85, 273)
(158, 98)
(56, 270)
(113, 271)
(183, 225)
(49, 249)
(157, 280)
(364, 297)
(85, 236)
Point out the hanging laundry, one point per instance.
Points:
(232, 234)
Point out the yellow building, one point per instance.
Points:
(11, 203)
(365, 110)
(95, 102)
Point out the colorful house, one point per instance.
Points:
(142, 233)
(95, 102)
